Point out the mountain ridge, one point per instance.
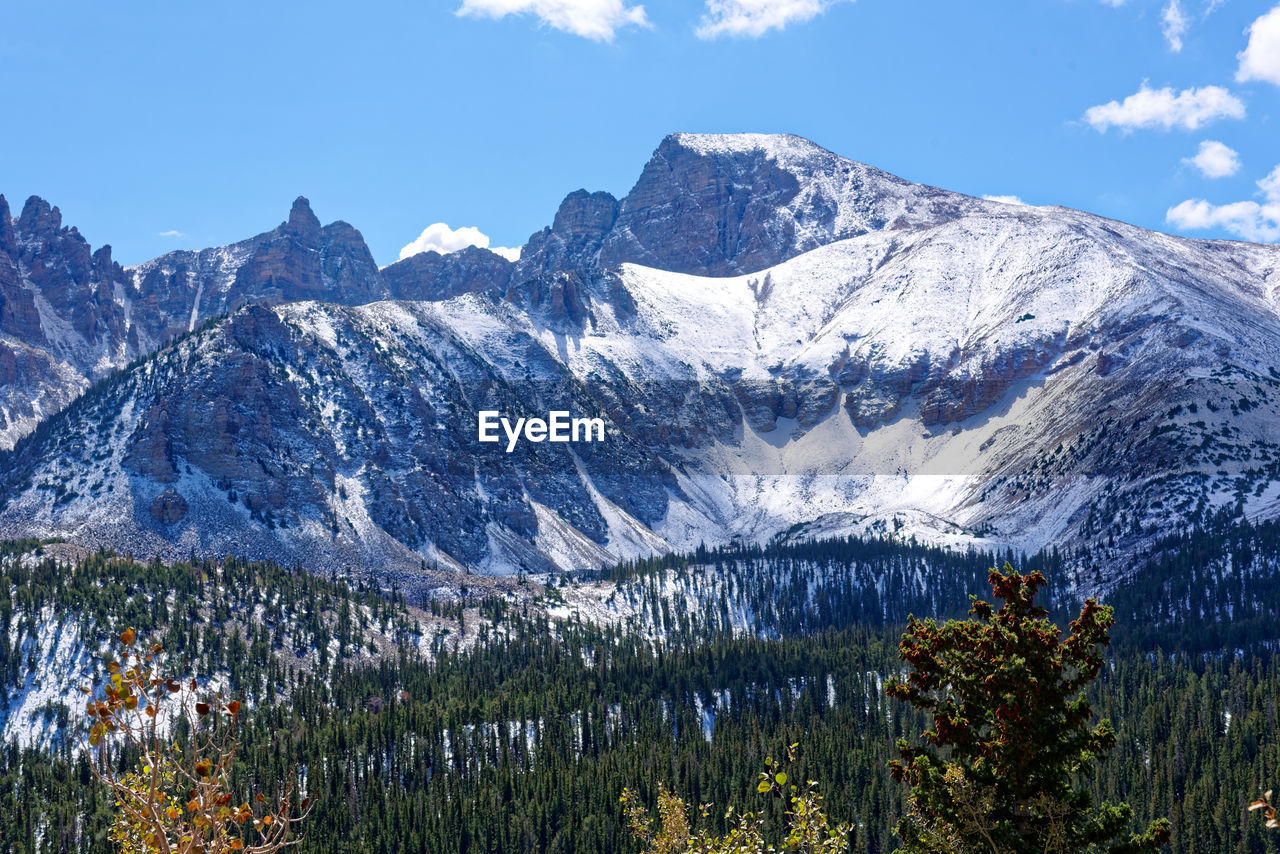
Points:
(907, 358)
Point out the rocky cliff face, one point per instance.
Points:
(344, 436)
(432, 276)
(722, 205)
(782, 342)
(714, 205)
(70, 315)
(48, 271)
(573, 240)
(62, 317)
(299, 259)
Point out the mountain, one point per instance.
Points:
(782, 342)
(299, 259)
(70, 315)
(61, 315)
(724, 205)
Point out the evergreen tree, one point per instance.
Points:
(1011, 735)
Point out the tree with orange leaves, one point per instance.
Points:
(1011, 734)
(175, 797)
(1269, 815)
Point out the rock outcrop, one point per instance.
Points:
(432, 276)
(169, 507)
(72, 315)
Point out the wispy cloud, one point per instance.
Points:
(1214, 160)
(593, 19)
(439, 237)
(1174, 24)
(1248, 219)
(1260, 60)
(172, 233)
(1165, 109)
(1008, 200)
(754, 18)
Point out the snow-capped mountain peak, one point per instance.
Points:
(783, 342)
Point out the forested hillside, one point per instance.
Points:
(256, 626)
(521, 737)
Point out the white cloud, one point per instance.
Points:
(1173, 24)
(1250, 220)
(439, 237)
(1008, 200)
(1215, 160)
(592, 19)
(754, 18)
(1260, 60)
(1165, 109)
(172, 233)
(1270, 186)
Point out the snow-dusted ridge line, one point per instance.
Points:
(916, 355)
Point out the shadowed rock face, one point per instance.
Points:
(432, 276)
(573, 240)
(17, 308)
(286, 265)
(231, 422)
(72, 314)
(299, 259)
(709, 214)
(740, 203)
(63, 318)
(169, 507)
(303, 260)
(41, 261)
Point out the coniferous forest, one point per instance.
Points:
(483, 724)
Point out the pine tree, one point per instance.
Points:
(1011, 735)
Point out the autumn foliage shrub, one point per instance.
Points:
(807, 831)
(166, 752)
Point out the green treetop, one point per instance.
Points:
(1011, 737)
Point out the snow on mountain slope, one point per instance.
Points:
(863, 198)
(895, 375)
(783, 343)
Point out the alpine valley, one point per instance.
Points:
(785, 345)
(832, 399)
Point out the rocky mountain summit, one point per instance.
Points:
(69, 315)
(299, 259)
(61, 315)
(782, 342)
(723, 205)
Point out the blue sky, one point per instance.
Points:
(186, 125)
